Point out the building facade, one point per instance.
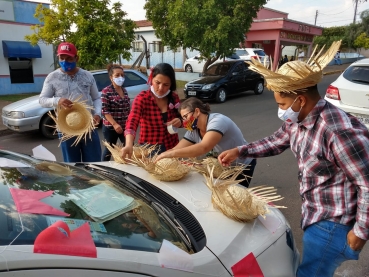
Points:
(271, 31)
(23, 67)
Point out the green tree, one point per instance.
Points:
(101, 34)
(362, 41)
(213, 27)
(331, 34)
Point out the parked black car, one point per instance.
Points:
(223, 79)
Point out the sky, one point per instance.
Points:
(330, 12)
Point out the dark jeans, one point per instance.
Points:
(160, 148)
(111, 136)
(248, 172)
(88, 150)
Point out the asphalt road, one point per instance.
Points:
(257, 117)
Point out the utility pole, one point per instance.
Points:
(316, 16)
(355, 12)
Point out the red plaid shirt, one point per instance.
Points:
(146, 113)
(332, 152)
(115, 105)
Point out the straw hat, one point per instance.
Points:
(237, 202)
(76, 121)
(115, 151)
(296, 75)
(219, 171)
(54, 168)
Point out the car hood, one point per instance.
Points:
(229, 240)
(30, 106)
(206, 80)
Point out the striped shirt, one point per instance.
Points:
(332, 152)
(115, 105)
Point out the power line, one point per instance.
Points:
(334, 13)
(335, 21)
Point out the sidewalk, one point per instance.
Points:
(331, 69)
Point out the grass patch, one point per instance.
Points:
(181, 84)
(17, 97)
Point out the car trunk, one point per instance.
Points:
(354, 94)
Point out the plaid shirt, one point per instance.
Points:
(146, 113)
(115, 105)
(332, 152)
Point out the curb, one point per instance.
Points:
(333, 72)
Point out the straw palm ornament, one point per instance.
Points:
(296, 75)
(218, 169)
(237, 202)
(54, 168)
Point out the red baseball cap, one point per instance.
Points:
(67, 48)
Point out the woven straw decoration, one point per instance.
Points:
(115, 151)
(54, 168)
(296, 75)
(237, 202)
(218, 169)
(76, 121)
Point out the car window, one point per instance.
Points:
(259, 52)
(218, 69)
(357, 74)
(234, 56)
(132, 79)
(242, 52)
(119, 217)
(239, 68)
(102, 80)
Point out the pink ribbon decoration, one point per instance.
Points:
(149, 80)
(171, 106)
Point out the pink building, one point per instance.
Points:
(272, 30)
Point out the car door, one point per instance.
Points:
(134, 84)
(197, 65)
(250, 78)
(236, 79)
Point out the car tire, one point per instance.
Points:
(46, 131)
(188, 68)
(221, 95)
(259, 87)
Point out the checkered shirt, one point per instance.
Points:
(146, 113)
(332, 152)
(115, 105)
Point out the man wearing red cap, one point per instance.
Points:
(66, 84)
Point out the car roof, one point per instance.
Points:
(361, 62)
(228, 62)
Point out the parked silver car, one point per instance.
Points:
(27, 114)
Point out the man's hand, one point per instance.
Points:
(126, 152)
(227, 157)
(166, 154)
(118, 128)
(355, 242)
(65, 103)
(96, 120)
(176, 122)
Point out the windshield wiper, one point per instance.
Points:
(361, 81)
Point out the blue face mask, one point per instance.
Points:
(67, 66)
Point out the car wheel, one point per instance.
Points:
(188, 68)
(221, 95)
(259, 87)
(46, 131)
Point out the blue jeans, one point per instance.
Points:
(324, 249)
(160, 148)
(247, 173)
(88, 150)
(337, 61)
(111, 136)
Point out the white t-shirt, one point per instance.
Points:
(231, 135)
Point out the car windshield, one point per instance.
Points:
(36, 194)
(218, 69)
(259, 52)
(357, 74)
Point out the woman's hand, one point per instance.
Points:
(118, 128)
(176, 122)
(65, 103)
(227, 157)
(166, 154)
(126, 152)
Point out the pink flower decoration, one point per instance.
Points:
(171, 106)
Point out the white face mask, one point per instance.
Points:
(289, 116)
(119, 81)
(159, 96)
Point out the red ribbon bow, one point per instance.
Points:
(171, 106)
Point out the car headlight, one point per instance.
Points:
(16, 115)
(185, 86)
(209, 86)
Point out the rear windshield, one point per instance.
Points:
(357, 74)
(118, 216)
(259, 52)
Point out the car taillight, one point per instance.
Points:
(333, 93)
(255, 57)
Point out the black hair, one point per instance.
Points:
(111, 67)
(166, 70)
(310, 92)
(193, 103)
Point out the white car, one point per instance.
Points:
(27, 114)
(195, 64)
(350, 92)
(248, 53)
(136, 226)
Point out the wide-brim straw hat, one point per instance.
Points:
(54, 168)
(219, 171)
(76, 121)
(237, 202)
(296, 75)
